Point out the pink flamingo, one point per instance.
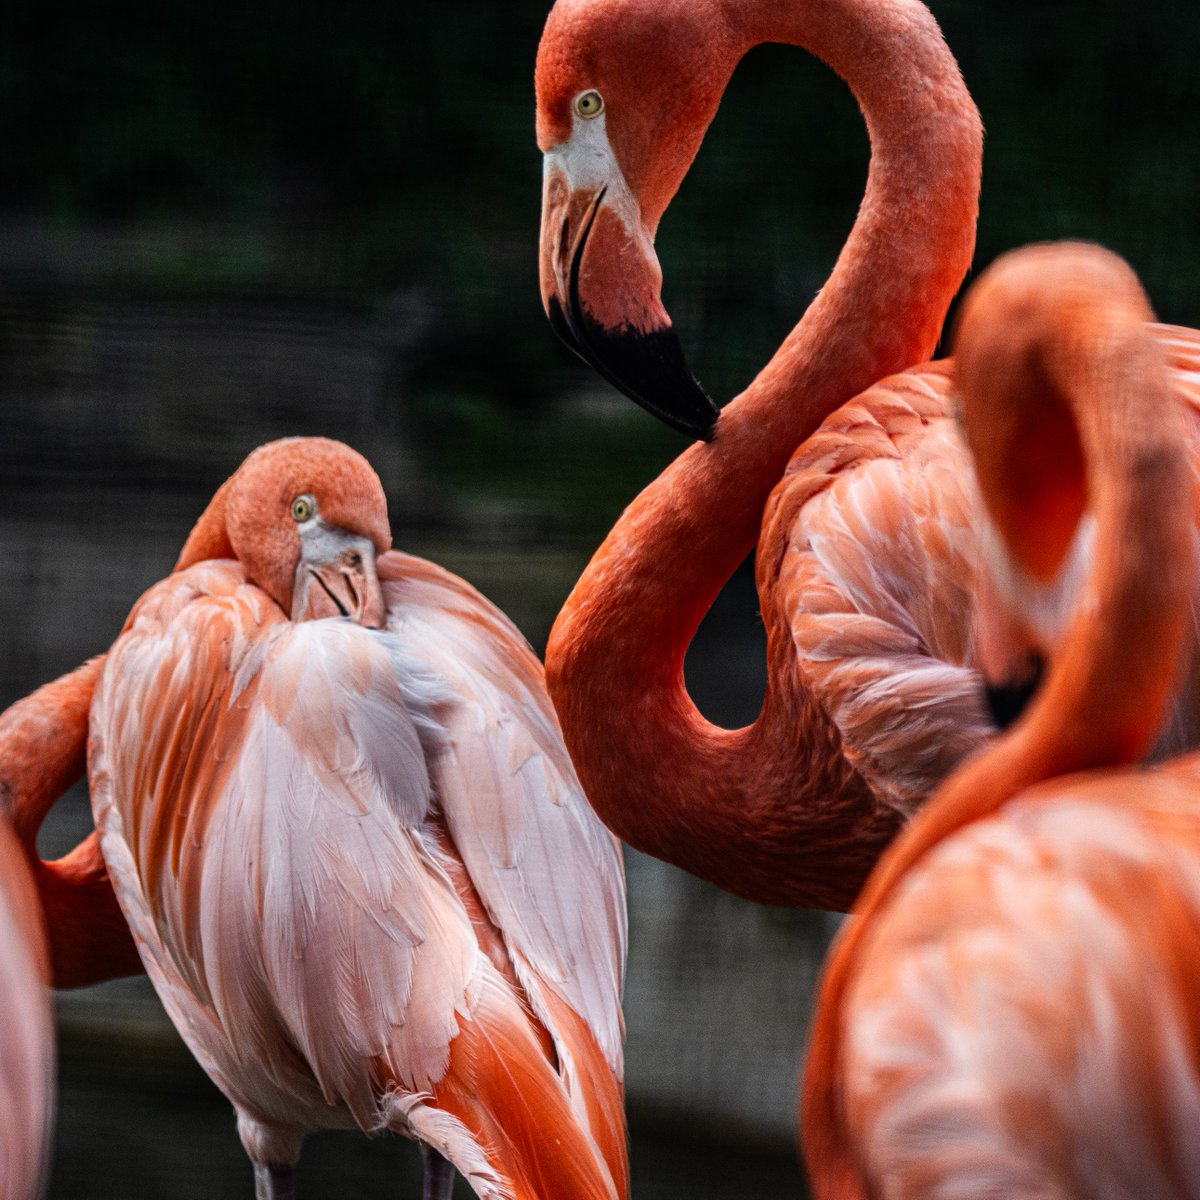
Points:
(353, 853)
(867, 544)
(26, 1033)
(1013, 1011)
(60, 923)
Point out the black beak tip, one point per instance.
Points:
(692, 413)
(1006, 701)
(649, 368)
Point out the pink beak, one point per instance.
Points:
(600, 282)
(336, 577)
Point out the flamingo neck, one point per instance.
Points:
(43, 747)
(1118, 660)
(726, 804)
(209, 538)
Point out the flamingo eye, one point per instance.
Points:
(304, 508)
(589, 104)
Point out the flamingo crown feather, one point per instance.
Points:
(1052, 353)
(626, 89)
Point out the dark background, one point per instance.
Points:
(225, 223)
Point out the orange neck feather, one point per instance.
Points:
(209, 538)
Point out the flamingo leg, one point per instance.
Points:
(439, 1175)
(274, 1181)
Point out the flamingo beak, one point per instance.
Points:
(1008, 655)
(601, 282)
(336, 576)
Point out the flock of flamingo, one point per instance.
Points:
(367, 853)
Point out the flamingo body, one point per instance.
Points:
(1069, 958)
(869, 560)
(362, 876)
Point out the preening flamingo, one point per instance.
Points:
(1013, 1011)
(866, 535)
(353, 853)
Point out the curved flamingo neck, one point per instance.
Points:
(43, 750)
(754, 810)
(209, 538)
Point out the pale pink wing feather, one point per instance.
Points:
(1182, 350)
(291, 909)
(548, 872)
(867, 558)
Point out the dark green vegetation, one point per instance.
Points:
(362, 152)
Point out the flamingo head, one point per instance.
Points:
(307, 518)
(625, 92)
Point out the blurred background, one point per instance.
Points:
(225, 223)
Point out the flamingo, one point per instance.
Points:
(59, 921)
(1012, 1012)
(27, 1034)
(866, 531)
(353, 854)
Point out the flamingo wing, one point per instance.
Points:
(868, 556)
(261, 792)
(548, 872)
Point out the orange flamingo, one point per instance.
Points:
(867, 547)
(1013, 1011)
(59, 921)
(26, 1033)
(356, 861)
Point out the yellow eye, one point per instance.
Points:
(304, 508)
(589, 104)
